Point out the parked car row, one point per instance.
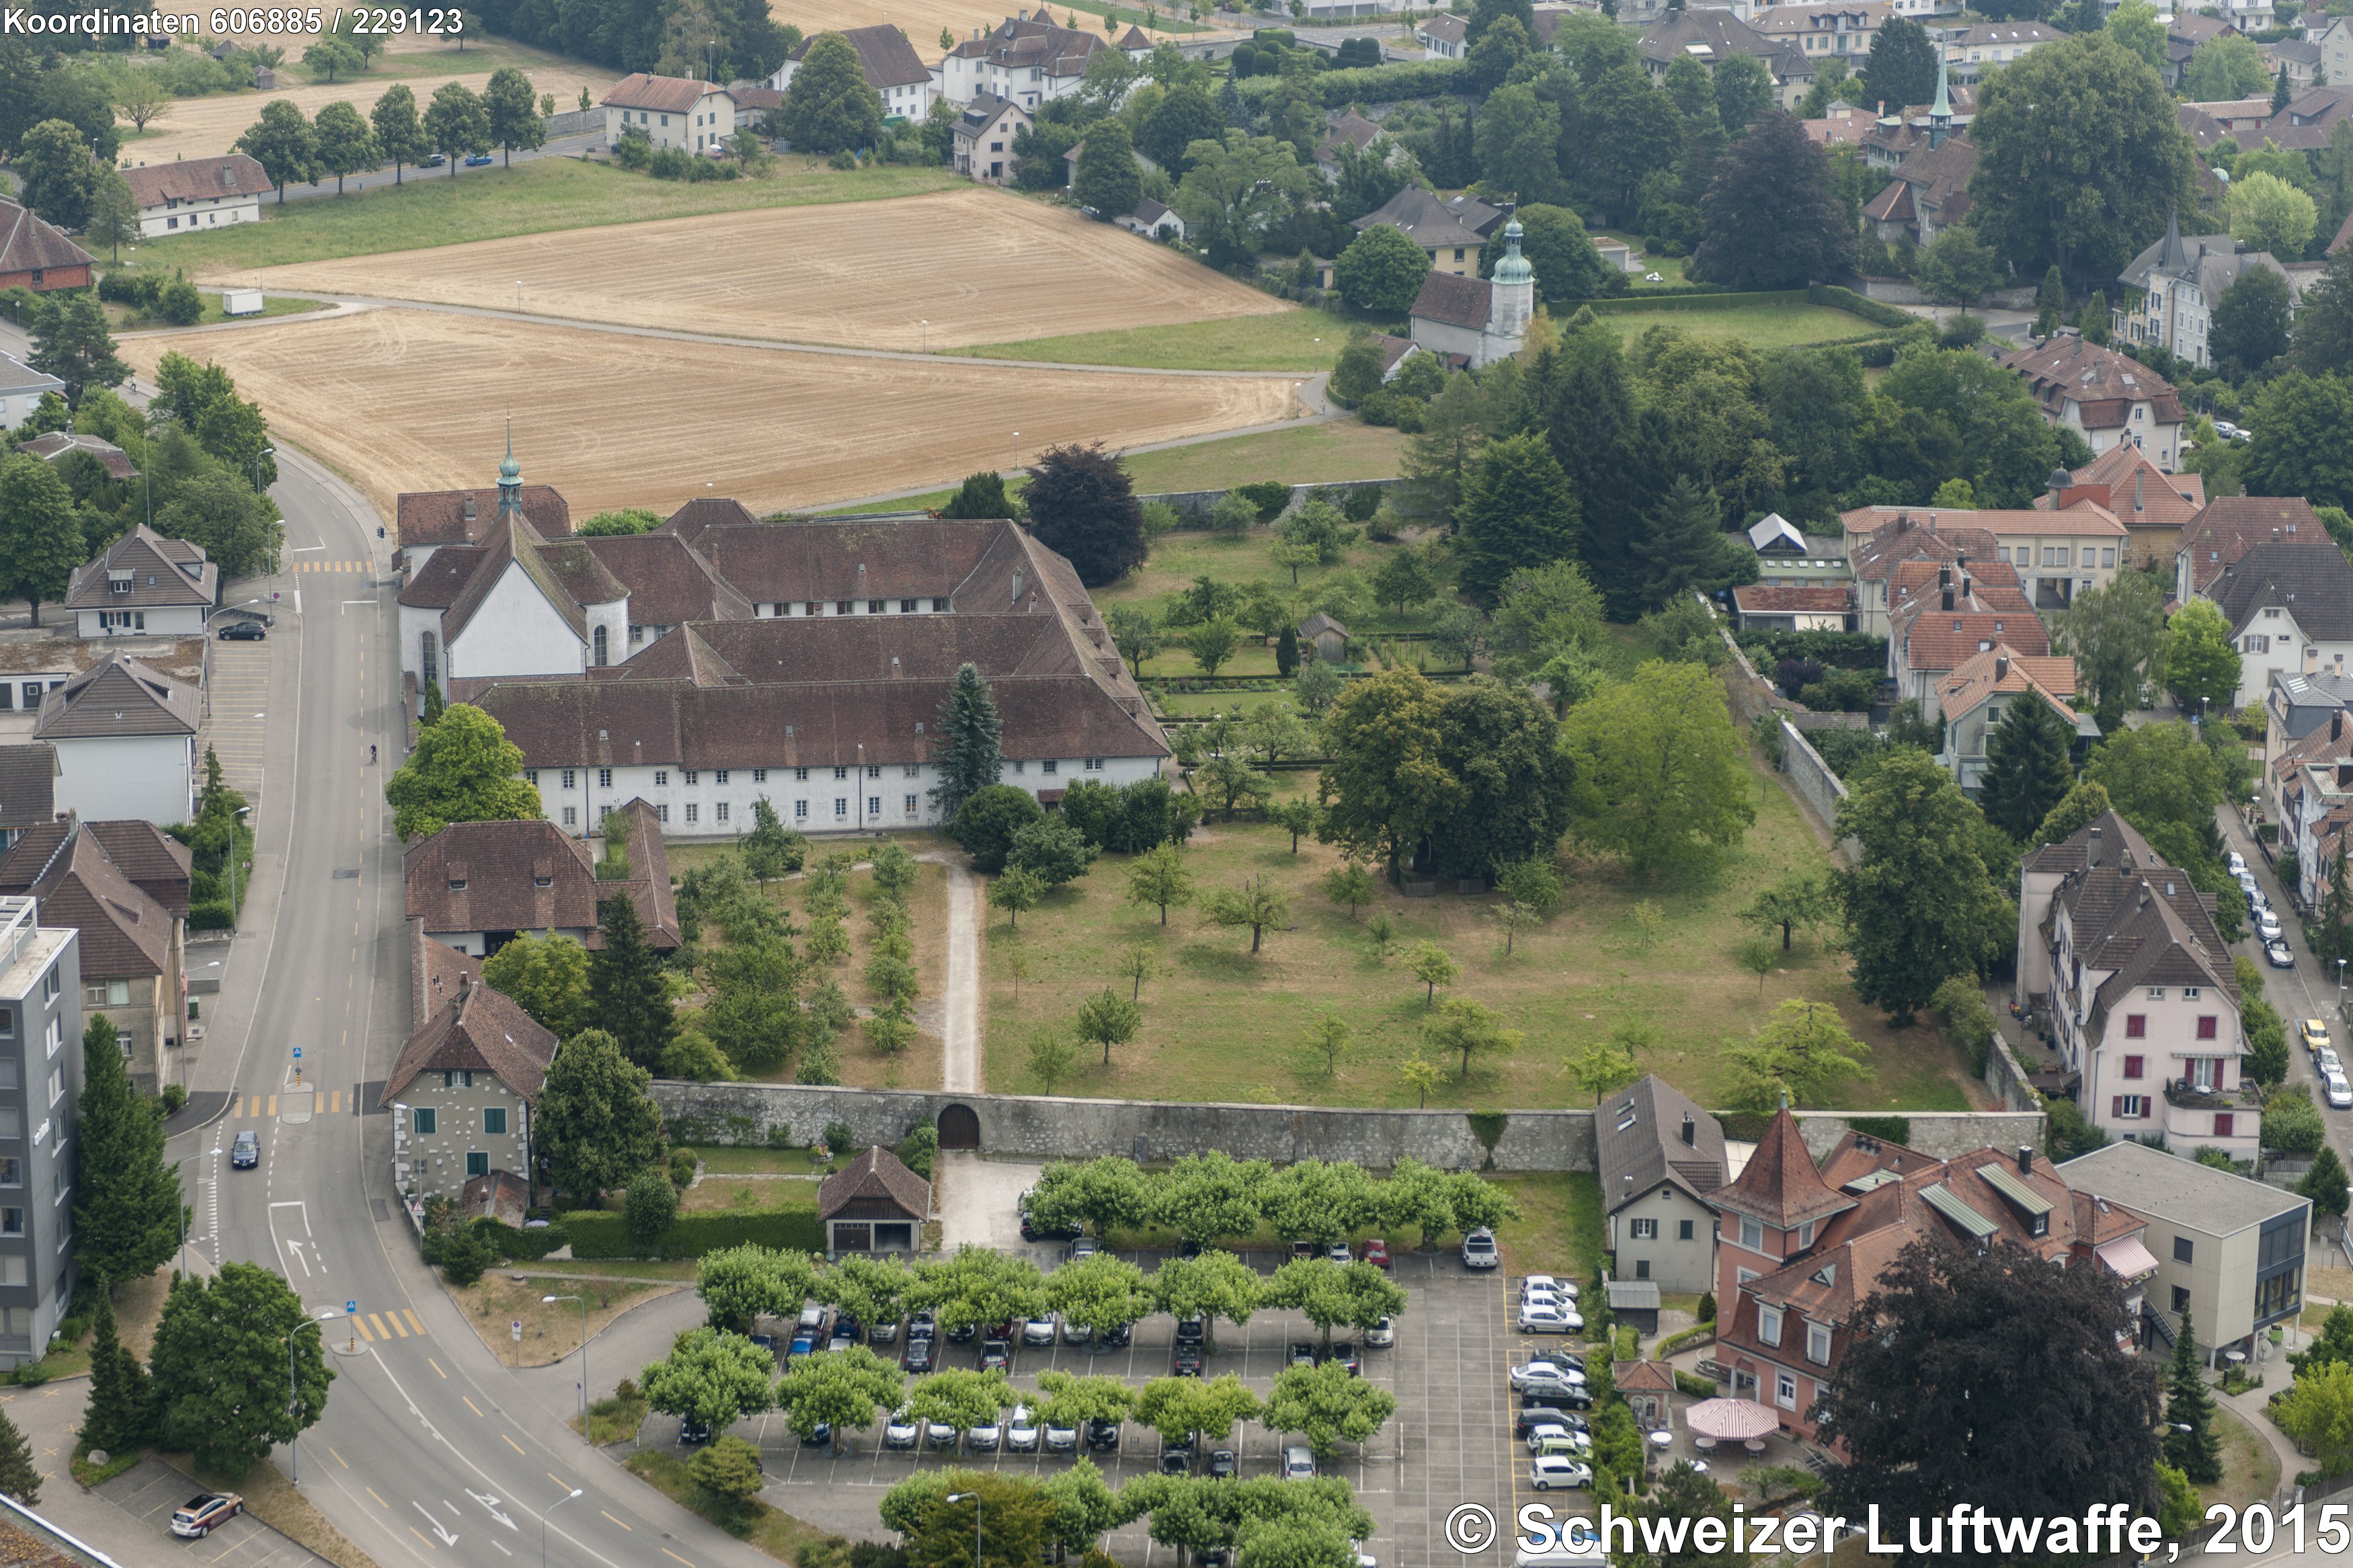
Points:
(2268, 931)
(1553, 1395)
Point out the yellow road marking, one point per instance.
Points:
(559, 1481)
(340, 1460)
(617, 1522)
(511, 1443)
(675, 1557)
(273, 1105)
(394, 1318)
(362, 1324)
(413, 1323)
(470, 1405)
(371, 1491)
(420, 1535)
(335, 1103)
(378, 1323)
(436, 1367)
(253, 1106)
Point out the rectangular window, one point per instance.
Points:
(1682, 1230)
(723, 811)
(12, 1222)
(1805, 1235)
(1646, 1230)
(2189, 994)
(494, 1121)
(2225, 1124)
(571, 816)
(424, 1115)
(873, 805)
(604, 778)
(873, 606)
(13, 1271)
(2108, 555)
(912, 770)
(694, 776)
(692, 811)
(1769, 1325)
(1642, 1269)
(800, 775)
(873, 769)
(12, 1172)
(1050, 766)
(2133, 1066)
(2184, 1251)
(841, 773)
(661, 814)
(2156, 993)
(841, 807)
(661, 778)
(568, 780)
(2207, 1026)
(1094, 764)
(2180, 1298)
(2136, 1025)
(1752, 1234)
(1817, 1344)
(477, 1164)
(759, 775)
(912, 808)
(906, 606)
(842, 606)
(939, 607)
(718, 776)
(1785, 1391)
(56, 1084)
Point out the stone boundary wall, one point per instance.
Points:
(1192, 507)
(1043, 1127)
(575, 122)
(2007, 1078)
(1821, 787)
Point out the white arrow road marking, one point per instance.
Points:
(446, 1539)
(295, 1248)
(491, 1505)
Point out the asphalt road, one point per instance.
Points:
(429, 1451)
(567, 147)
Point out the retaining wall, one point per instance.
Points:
(2007, 1078)
(1043, 1127)
(1821, 787)
(575, 122)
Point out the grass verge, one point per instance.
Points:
(127, 320)
(91, 1474)
(2251, 1467)
(1318, 454)
(666, 1269)
(1560, 1228)
(613, 1419)
(1306, 340)
(773, 1531)
(551, 1331)
(534, 197)
(1759, 326)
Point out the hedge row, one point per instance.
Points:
(600, 1234)
(1877, 311)
(1625, 304)
(1371, 84)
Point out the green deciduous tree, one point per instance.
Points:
(1920, 906)
(1381, 270)
(1082, 504)
(2225, 68)
(593, 1119)
(1600, 1066)
(1327, 1405)
(2269, 214)
(456, 124)
(1108, 179)
(1103, 1292)
(1108, 1019)
(547, 976)
(1158, 879)
(2318, 1414)
(219, 1367)
(1236, 189)
(1385, 787)
(399, 134)
(1770, 217)
(2116, 634)
(737, 1284)
(40, 534)
(71, 342)
(512, 112)
(2202, 663)
(126, 1199)
(1796, 898)
(464, 769)
(2251, 320)
(113, 218)
(346, 144)
(838, 1389)
(284, 144)
(829, 108)
(1661, 775)
(1016, 889)
(1798, 1055)
(1253, 902)
(1958, 266)
(2303, 442)
(56, 173)
(333, 56)
(711, 1378)
(1467, 1029)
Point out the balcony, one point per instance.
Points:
(2183, 1095)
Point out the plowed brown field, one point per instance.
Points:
(409, 400)
(980, 265)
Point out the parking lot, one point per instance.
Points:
(151, 1490)
(1451, 1441)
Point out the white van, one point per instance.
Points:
(1559, 1556)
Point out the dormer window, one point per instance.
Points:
(121, 582)
(542, 881)
(456, 884)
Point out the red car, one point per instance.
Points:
(1376, 1253)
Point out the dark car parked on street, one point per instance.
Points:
(243, 631)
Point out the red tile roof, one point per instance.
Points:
(665, 94)
(443, 517)
(29, 244)
(477, 1030)
(2103, 383)
(1781, 599)
(197, 179)
(1780, 1185)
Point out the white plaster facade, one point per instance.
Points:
(154, 621)
(151, 778)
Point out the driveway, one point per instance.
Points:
(976, 1200)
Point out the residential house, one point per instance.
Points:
(896, 73)
(476, 886)
(1713, 34)
(2305, 125)
(2141, 999)
(2227, 1250)
(1927, 193)
(1842, 32)
(2290, 608)
(2249, 15)
(873, 1205)
(197, 193)
(1474, 320)
(464, 1089)
(29, 780)
(2205, 131)
(1801, 1248)
(2299, 58)
(1658, 1154)
(1875, 548)
(144, 586)
(2184, 33)
(1788, 556)
(1444, 37)
(1944, 614)
(2237, 113)
(2101, 395)
(2154, 506)
(126, 739)
(58, 444)
(40, 1085)
(984, 137)
(1029, 60)
(1973, 697)
(2056, 554)
(1790, 607)
(2296, 707)
(1352, 130)
(1969, 51)
(36, 255)
(1449, 234)
(21, 390)
(125, 887)
(2310, 784)
(2170, 289)
(692, 116)
(2336, 49)
(1154, 220)
(1843, 125)
(2227, 527)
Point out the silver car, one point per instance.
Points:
(1061, 1439)
(1021, 1431)
(1479, 1249)
(1037, 1331)
(940, 1435)
(1382, 1334)
(900, 1431)
(984, 1438)
(1298, 1463)
(1074, 1334)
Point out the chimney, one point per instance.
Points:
(1944, 577)
(2092, 848)
(465, 983)
(2001, 666)
(469, 508)
(2140, 477)
(1691, 1130)
(1947, 598)
(2143, 901)
(2026, 1159)
(2337, 725)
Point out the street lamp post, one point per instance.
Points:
(550, 1302)
(974, 1497)
(183, 1208)
(293, 1392)
(559, 1502)
(265, 452)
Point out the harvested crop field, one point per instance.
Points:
(922, 20)
(979, 266)
(412, 400)
(206, 126)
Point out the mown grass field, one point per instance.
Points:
(534, 197)
(1759, 326)
(1303, 341)
(1226, 1024)
(1318, 454)
(127, 320)
(1242, 559)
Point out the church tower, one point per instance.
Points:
(510, 481)
(1512, 296)
(1940, 113)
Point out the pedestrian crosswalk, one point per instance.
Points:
(267, 1104)
(379, 1326)
(331, 566)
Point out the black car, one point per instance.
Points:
(1114, 1339)
(1561, 1398)
(919, 1356)
(1032, 1231)
(962, 1333)
(1223, 1465)
(1345, 1354)
(1103, 1436)
(1192, 1331)
(245, 1153)
(243, 631)
(691, 1432)
(1303, 1353)
(1537, 1415)
(996, 1356)
(1188, 1361)
(1176, 1458)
